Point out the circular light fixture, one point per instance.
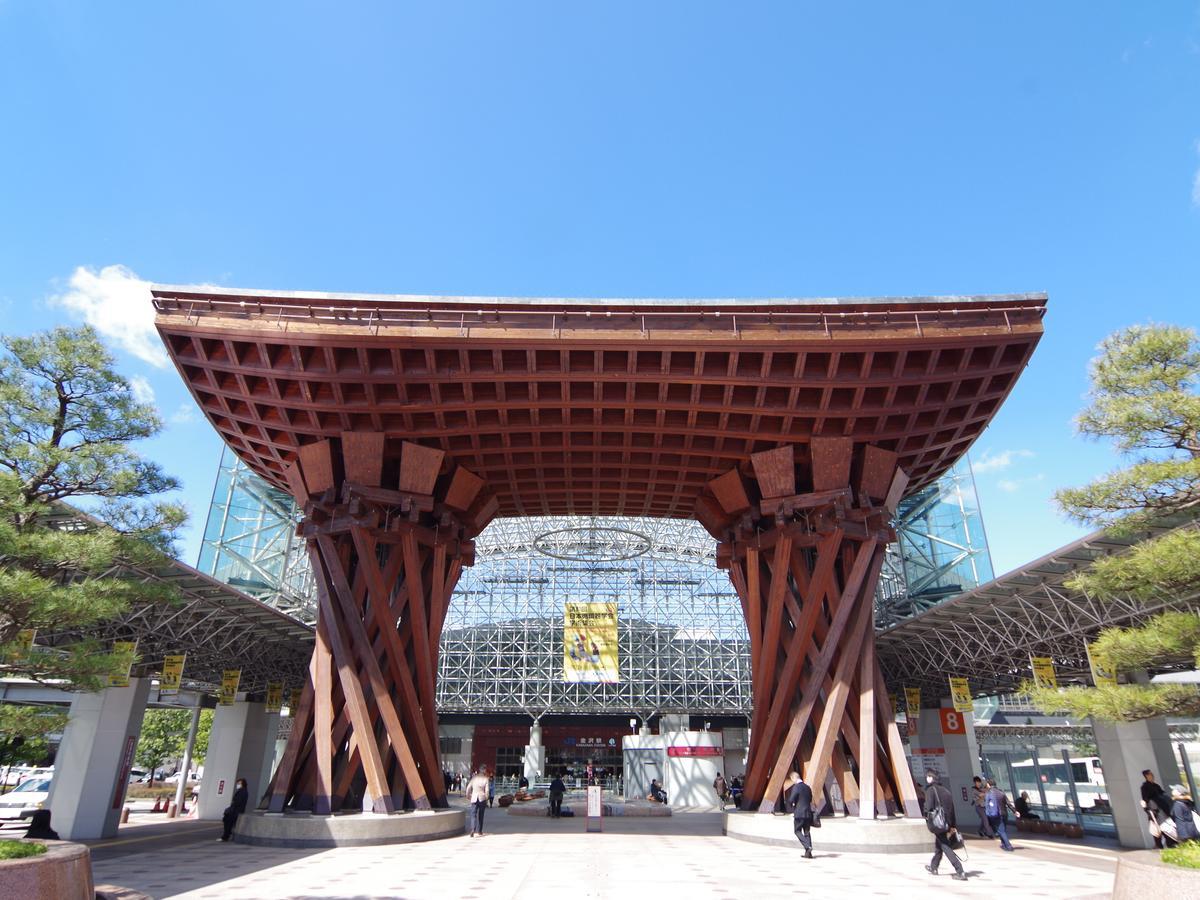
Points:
(592, 544)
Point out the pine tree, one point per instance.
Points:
(68, 421)
(1144, 399)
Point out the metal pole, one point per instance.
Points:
(187, 758)
(1037, 777)
(1074, 793)
(1187, 769)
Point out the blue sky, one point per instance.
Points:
(618, 149)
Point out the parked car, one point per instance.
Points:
(42, 773)
(25, 799)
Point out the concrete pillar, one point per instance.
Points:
(186, 768)
(1125, 750)
(946, 741)
(241, 745)
(535, 754)
(91, 769)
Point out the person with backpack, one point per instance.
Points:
(939, 819)
(996, 806)
(557, 789)
(721, 789)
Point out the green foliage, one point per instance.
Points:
(1167, 565)
(1118, 703)
(33, 726)
(164, 735)
(21, 849)
(1186, 855)
(67, 421)
(1168, 639)
(203, 731)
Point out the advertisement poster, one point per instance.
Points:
(590, 643)
(22, 645)
(230, 679)
(1043, 671)
(1102, 673)
(172, 673)
(912, 703)
(294, 701)
(125, 650)
(960, 693)
(274, 696)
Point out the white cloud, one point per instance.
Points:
(1011, 486)
(995, 462)
(117, 304)
(142, 392)
(185, 414)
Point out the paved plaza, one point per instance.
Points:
(685, 855)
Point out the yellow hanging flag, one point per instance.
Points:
(172, 673)
(912, 703)
(1043, 671)
(294, 701)
(125, 651)
(274, 696)
(22, 645)
(1102, 673)
(960, 694)
(230, 679)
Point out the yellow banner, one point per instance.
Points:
(1043, 671)
(230, 679)
(960, 694)
(590, 643)
(126, 651)
(172, 673)
(22, 645)
(912, 703)
(1103, 674)
(274, 696)
(294, 701)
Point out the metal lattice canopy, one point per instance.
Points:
(987, 635)
(217, 626)
(682, 638)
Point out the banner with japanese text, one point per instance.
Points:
(124, 652)
(1103, 674)
(172, 673)
(230, 679)
(912, 703)
(274, 696)
(1043, 671)
(960, 695)
(590, 643)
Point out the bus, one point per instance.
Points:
(1085, 771)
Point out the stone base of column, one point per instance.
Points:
(841, 834)
(353, 830)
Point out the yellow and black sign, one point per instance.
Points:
(912, 703)
(124, 652)
(274, 696)
(960, 695)
(294, 701)
(22, 645)
(230, 679)
(590, 643)
(1103, 674)
(172, 673)
(1043, 671)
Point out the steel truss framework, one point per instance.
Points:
(683, 645)
(217, 627)
(987, 635)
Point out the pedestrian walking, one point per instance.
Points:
(236, 807)
(477, 796)
(799, 798)
(557, 789)
(491, 789)
(721, 788)
(939, 818)
(996, 806)
(979, 791)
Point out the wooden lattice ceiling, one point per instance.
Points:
(598, 407)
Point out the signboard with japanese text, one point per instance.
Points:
(695, 751)
(172, 673)
(1043, 671)
(912, 703)
(1102, 673)
(294, 701)
(230, 679)
(125, 652)
(22, 645)
(960, 695)
(274, 696)
(590, 643)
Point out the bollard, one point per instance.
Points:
(172, 810)
(125, 815)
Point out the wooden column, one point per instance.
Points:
(389, 529)
(803, 530)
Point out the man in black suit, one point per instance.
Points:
(938, 795)
(799, 798)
